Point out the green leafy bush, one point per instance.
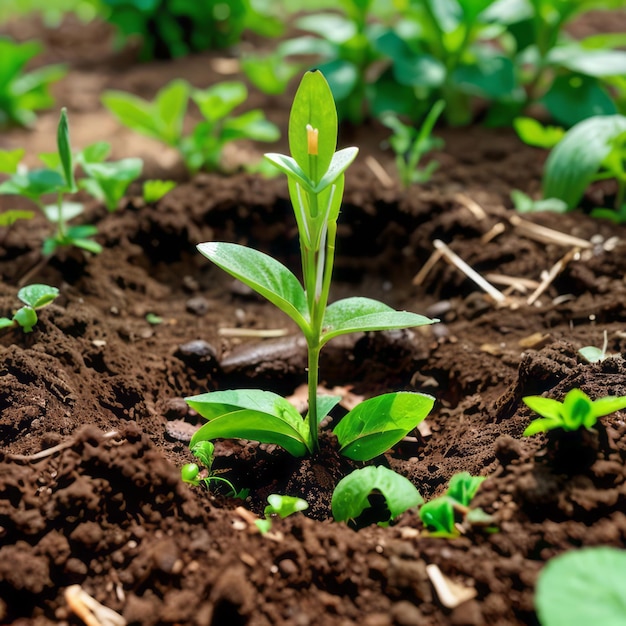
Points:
(22, 93)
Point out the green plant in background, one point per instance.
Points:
(352, 495)
(163, 118)
(281, 506)
(576, 411)
(34, 297)
(315, 175)
(175, 28)
(592, 150)
(106, 181)
(441, 515)
(410, 144)
(583, 587)
(22, 93)
(154, 190)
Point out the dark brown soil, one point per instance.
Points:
(107, 510)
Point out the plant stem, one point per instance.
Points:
(313, 380)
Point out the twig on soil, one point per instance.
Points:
(379, 171)
(471, 205)
(472, 274)
(418, 279)
(519, 284)
(555, 270)
(90, 610)
(547, 235)
(263, 333)
(54, 449)
(492, 233)
(34, 270)
(450, 594)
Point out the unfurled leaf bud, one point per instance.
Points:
(311, 135)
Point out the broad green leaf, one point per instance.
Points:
(170, 107)
(216, 102)
(364, 314)
(583, 587)
(575, 160)
(94, 153)
(541, 425)
(492, 76)
(350, 497)
(438, 516)
(68, 211)
(37, 295)
(26, 317)
(9, 160)
(5, 322)
(463, 487)
(262, 273)
(330, 26)
(271, 74)
(250, 125)
(377, 424)
(13, 215)
(596, 63)
(135, 113)
(608, 405)
(65, 150)
(154, 190)
(534, 133)
(313, 105)
(113, 178)
(33, 184)
(546, 407)
(591, 354)
(325, 404)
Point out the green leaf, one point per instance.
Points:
(13, 215)
(37, 295)
(364, 314)
(377, 424)
(576, 410)
(597, 63)
(262, 273)
(65, 150)
(575, 160)
(438, 516)
(583, 587)
(591, 354)
(313, 105)
(541, 425)
(170, 106)
(26, 317)
(154, 190)
(5, 322)
(325, 404)
(137, 114)
(463, 487)
(546, 407)
(112, 179)
(69, 210)
(288, 166)
(94, 153)
(534, 133)
(33, 184)
(9, 160)
(608, 405)
(283, 506)
(342, 159)
(216, 102)
(250, 125)
(350, 497)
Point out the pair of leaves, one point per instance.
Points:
(34, 297)
(279, 285)
(576, 411)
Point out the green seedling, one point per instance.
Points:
(315, 174)
(523, 203)
(576, 411)
(23, 93)
(353, 493)
(176, 28)
(534, 133)
(444, 515)
(410, 144)
(583, 587)
(34, 297)
(163, 118)
(190, 473)
(154, 190)
(593, 354)
(281, 506)
(106, 181)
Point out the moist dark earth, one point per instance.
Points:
(93, 425)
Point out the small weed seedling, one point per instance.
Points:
(445, 515)
(576, 411)
(154, 190)
(283, 506)
(163, 120)
(34, 297)
(410, 144)
(354, 494)
(315, 175)
(583, 587)
(106, 181)
(593, 354)
(204, 451)
(21, 93)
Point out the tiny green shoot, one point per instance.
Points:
(442, 516)
(576, 411)
(154, 190)
(410, 144)
(315, 174)
(353, 494)
(281, 506)
(34, 297)
(593, 354)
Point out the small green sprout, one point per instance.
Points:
(441, 515)
(410, 144)
(154, 190)
(353, 494)
(593, 354)
(154, 319)
(576, 411)
(583, 587)
(283, 506)
(106, 181)
(315, 176)
(34, 297)
(190, 473)
(23, 93)
(163, 118)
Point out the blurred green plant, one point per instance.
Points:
(175, 28)
(34, 297)
(281, 506)
(23, 93)
(163, 118)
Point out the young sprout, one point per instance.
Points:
(34, 297)
(576, 411)
(283, 506)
